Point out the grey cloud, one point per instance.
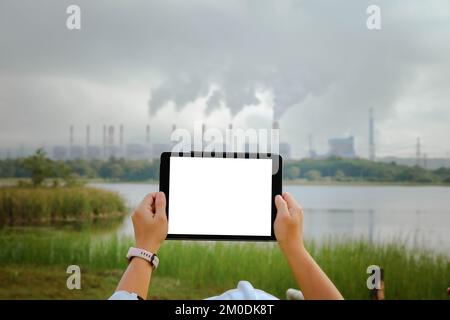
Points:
(214, 101)
(300, 50)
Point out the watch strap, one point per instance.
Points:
(152, 258)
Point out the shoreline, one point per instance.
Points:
(5, 182)
(300, 183)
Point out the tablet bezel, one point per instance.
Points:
(276, 189)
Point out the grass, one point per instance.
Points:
(36, 205)
(193, 270)
(23, 282)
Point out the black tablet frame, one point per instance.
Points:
(276, 189)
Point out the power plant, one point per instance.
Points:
(117, 147)
(110, 146)
(81, 143)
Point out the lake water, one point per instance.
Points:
(417, 215)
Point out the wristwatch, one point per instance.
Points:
(152, 258)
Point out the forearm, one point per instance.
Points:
(313, 282)
(136, 278)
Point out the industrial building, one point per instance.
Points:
(342, 147)
(113, 145)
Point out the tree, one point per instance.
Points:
(313, 175)
(339, 175)
(116, 171)
(40, 167)
(294, 172)
(66, 173)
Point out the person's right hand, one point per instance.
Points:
(288, 224)
(150, 222)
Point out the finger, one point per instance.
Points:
(281, 205)
(160, 204)
(152, 207)
(149, 199)
(291, 202)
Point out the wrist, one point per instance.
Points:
(144, 255)
(148, 246)
(292, 247)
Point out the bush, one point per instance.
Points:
(313, 175)
(36, 205)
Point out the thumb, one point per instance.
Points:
(160, 203)
(281, 205)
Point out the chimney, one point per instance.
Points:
(71, 135)
(71, 141)
(104, 136)
(203, 137)
(275, 138)
(228, 143)
(312, 153)
(104, 142)
(147, 134)
(418, 153)
(121, 136)
(88, 136)
(110, 135)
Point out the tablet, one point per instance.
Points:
(226, 197)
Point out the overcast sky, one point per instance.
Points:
(313, 65)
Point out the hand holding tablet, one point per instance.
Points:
(221, 198)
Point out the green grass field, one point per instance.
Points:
(33, 266)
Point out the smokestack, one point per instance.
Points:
(275, 138)
(104, 142)
(312, 153)
(147, 134)
(121, 136)
(227, 143)
(71, 135)
(371, 136)
(111, 136)
(88, 136)
(203, 136)
(104, 136)
(275, 125)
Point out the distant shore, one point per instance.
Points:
(300, 182)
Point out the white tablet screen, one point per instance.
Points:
(220, 196)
